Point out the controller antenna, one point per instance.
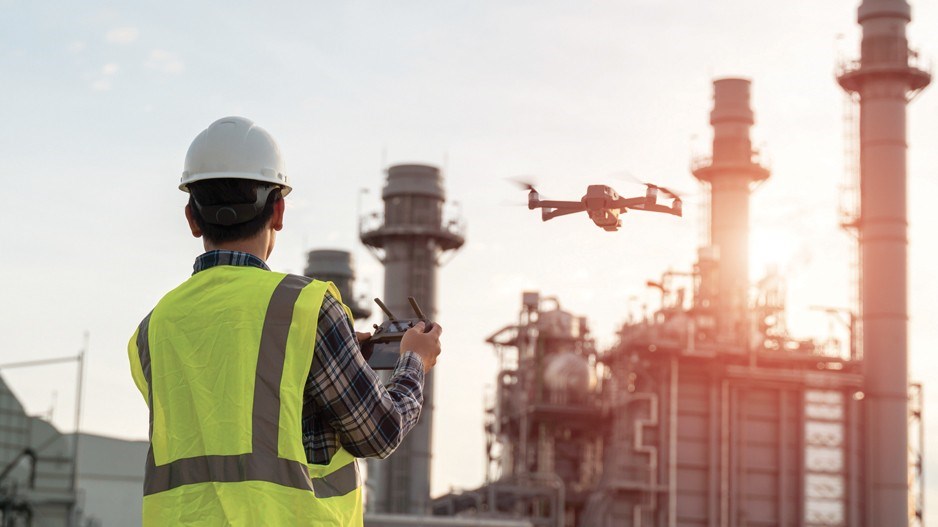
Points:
(385, 309)
(416, 308)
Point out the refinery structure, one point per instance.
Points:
(707, 412)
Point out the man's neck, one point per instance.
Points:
(258, 246)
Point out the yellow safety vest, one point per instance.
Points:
(222, 362)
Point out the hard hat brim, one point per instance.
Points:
(253, 176)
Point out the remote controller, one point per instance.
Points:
(383, 349)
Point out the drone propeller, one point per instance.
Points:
(625, 174)
(533, 196)
(524, 182)
(665, 190)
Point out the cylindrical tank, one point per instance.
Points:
(884, 78)
(569, 374)
(411, 241)
(558, 324)
(730, 171)
(338, 267)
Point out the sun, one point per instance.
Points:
(771, 249)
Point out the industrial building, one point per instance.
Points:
(42, 484)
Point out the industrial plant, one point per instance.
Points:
(706, 412)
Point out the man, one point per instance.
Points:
(259, 397)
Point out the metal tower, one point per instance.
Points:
(730, 171)
(409, 242)
(885, 77)
(337, 267)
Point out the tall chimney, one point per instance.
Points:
(730, 171)
(410, 242)
(884, 78)
(338, 267)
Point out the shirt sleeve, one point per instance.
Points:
(369, 419)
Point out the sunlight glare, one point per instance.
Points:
(771, 249)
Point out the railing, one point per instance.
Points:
(454, 225)
(370, 222)
(756, 157)
(911, 59)
(664, 334)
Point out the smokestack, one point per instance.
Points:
(730, 170)
(884, 78)
(410, 242)
(337, 267)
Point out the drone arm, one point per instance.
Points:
(573, 206)
(675, 210)
(549, 214)
(553, 209)
(630, 203)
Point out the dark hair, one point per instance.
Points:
(229, 191)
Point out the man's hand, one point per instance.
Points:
(426, 345)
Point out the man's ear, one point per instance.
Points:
(193, 226)
(276, 220)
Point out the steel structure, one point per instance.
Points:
(338, 267)
(886, 77)
(409, 240)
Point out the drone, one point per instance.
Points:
(603, 204)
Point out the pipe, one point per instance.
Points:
(802, 464)
(783, 461)
(640, 447)
(672, 445)
(713, 505)
(854, 464)
(724, 454)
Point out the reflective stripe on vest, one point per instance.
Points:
(263, 463)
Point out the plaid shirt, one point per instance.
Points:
(345, 403)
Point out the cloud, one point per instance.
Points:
(101, 85)
(165, 62)
(122, 35)
(76, 47)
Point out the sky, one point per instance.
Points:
(101, 99)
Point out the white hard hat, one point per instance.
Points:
(234, 147)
